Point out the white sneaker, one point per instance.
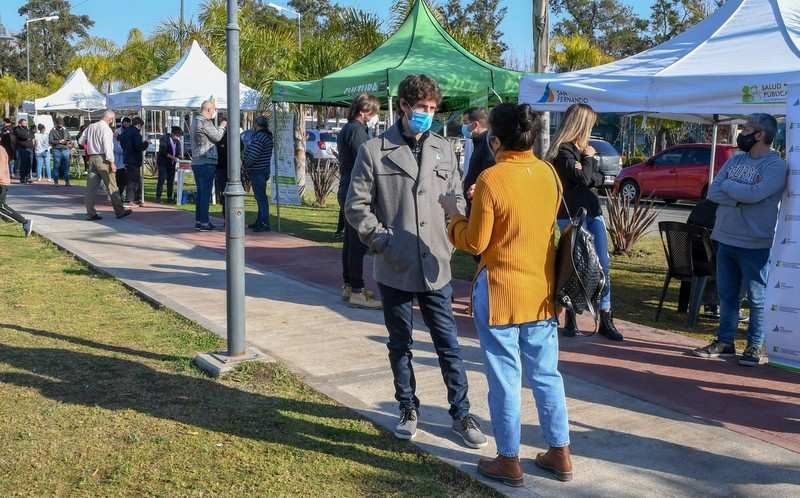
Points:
(27, 226)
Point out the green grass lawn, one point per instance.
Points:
(636, 280)
(98, 398)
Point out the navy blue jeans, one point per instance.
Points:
(739, 268)
(259, 178)
(437, 312)
(61, 165)
(204, 178)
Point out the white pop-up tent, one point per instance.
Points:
(739, 60)
(77, 94)
(193, 79)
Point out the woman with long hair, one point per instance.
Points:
(577, 165)
(512, 227)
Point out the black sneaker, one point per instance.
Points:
(94, 217)
(715, 350)
(407, 426)
(470, 431)
(751, 357)
(125, 213)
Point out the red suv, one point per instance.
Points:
(679, 172)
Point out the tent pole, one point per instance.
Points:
(391, 112)
(276, 191)
(714, 132)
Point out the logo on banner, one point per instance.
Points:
(768, 93)
(796, 103)
(787, 241)
(792, 217)
(788, 264)
(791, 194)
(371, 87)
(783, 285)
(782, 330)
(794, 172)
(551, 96)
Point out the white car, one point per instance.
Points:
(321, 144)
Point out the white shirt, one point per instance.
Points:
(42, 143)
(99, 140)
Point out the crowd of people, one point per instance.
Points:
(407, 199)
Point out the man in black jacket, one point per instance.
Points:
(482, 157)
(169, 150)
(133, 147)
(23, 138)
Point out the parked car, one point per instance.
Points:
(679, 172)
(609, 159)
(321, 144)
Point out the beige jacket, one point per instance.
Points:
(5, 176)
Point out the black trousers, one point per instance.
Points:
(25, 159)
(220, 180)
(166, 174)
(437, 312)
(134, 183)
(353, 252)
(122, 182)
(6, 210)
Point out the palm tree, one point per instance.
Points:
(570, 53)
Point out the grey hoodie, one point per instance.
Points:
(748, 191)
(205, 135)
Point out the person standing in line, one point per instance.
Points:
(134, 147)
(119, 160)
(98, 139)
(8, 142)
(748, 190)
(24, 144)
(59, 146)
(221, 174)
(363, 114)
(579, 170)
(512, 226)
(205, 136)
(473, 130)
(393, 203)
(169, 150)
(257, 160)
(42, 149)
(7, 211)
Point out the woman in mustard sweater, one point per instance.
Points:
(512, 227)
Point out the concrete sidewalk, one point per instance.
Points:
(624, 445)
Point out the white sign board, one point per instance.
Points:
(782, 316)
(283, 173)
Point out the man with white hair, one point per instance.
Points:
(99, 141)
(205, 136)
(748, 190)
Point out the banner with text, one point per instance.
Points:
(782, 316)
(284, 176)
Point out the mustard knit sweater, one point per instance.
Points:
(512, 226)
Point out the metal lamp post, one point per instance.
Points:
(28, 38)
(294, 13)
(219, 362)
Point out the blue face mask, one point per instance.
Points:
(420, 122)
(466, 130)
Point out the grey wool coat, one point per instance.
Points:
(394, 205)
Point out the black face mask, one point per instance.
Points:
(746, 142)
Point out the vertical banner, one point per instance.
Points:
(782, 316)
(284, 174)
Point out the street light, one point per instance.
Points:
(28, 37)
(296, 14)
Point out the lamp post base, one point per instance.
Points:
(217, 363)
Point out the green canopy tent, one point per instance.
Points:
(420, 45)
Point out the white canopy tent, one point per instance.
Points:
(193, 79)
(77, 94)
(740, 60)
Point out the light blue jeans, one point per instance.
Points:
(738, 269)
(509, 351)
(43, 165)
(597, 227)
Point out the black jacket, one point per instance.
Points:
(9, 142)
(482, 159)
(23, 137)
(578, 183)
(164, 149)
(350, 138)
(132, 146)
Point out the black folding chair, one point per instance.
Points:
(690, 258)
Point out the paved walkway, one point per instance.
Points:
(646, 419)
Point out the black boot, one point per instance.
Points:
(607, 327)
(570, 324)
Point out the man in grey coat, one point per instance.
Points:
(393, 203)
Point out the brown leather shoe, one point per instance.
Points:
(557, 461)
(504, 469)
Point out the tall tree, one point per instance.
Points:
(606, 23)
(672, 17)
(485, 17)
(570, 53)
(52, 41)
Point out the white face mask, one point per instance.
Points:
(372, 122)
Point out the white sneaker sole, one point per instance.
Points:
(470, 444)
(404, 436)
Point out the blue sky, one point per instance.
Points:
(113, 18)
